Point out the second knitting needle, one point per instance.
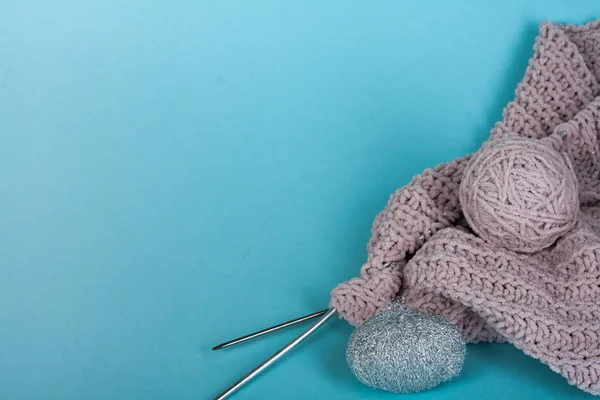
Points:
(269, 330)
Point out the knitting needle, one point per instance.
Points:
(265, 364)
(270, 329)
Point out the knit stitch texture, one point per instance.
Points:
(546, 302)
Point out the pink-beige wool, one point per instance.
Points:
(545, 301)
(519, 194)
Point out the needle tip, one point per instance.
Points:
(219, 347)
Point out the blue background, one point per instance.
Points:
(174, 174)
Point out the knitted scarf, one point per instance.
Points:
(546, 303)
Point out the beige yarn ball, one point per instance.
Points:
(519, 194)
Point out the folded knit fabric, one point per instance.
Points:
(546, 303)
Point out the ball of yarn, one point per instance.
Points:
(405, 351)
(519, 194)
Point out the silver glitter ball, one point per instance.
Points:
(405, 351)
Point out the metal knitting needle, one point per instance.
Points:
(252, 374)
(270, 329)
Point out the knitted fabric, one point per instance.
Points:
(545, 303)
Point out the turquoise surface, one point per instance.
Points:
(174, 174)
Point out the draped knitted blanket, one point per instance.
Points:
(546, 303)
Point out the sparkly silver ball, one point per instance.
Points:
(405, 351)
